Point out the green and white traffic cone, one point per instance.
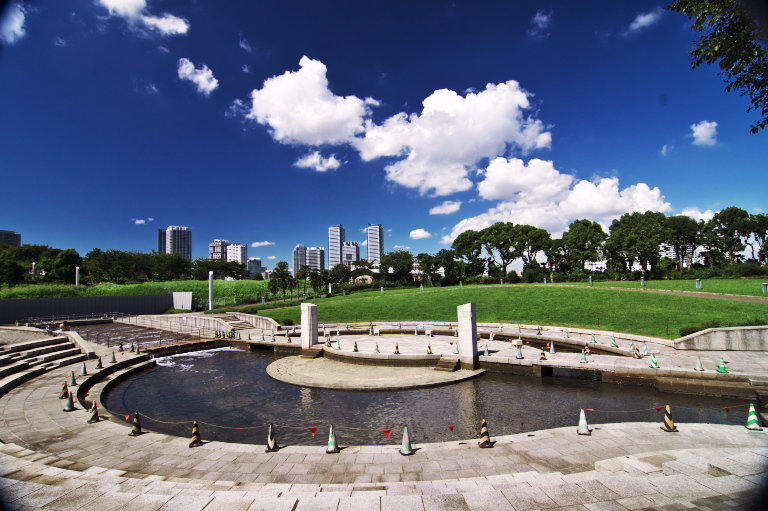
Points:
(416, 331)
(485, 437)
(72, 381)
(249, 336)
(614, 344)
(567, 335)
(552, 347)
(646, 353)
(262, 335)
(752, 421)
(583, 426)
(485, 353)
(69, 406)
(490, 336)
(722, 369)
(94, 418)
(271, 440)
(338, 344)
(519, 355)
(377, 348)
(698, 366)
(84, 371)
(455, 333)
(583, 357)
(632, 346)
(406, 449)
(370, 331)
(456, 348)
(138, 349)
(333, 447)
(592, 339)
(654, 364)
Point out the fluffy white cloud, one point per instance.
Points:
(299, 107)
(419, 234)
(141, 221)
(134, 12)
(446, 208)
(257, 244)
(513, 180)
(697, 215)
(246, 69)
(451, 134)
(540, 24)
(244, 44)
(646, 19)
(401, 247)
(704, 133)
(667, 149)
(12, 24)
(202, 78)
(272, 257)
(318, 162)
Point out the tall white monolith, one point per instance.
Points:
(210, 290)
(469, 356)
(308, 325)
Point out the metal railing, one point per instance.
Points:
(71, 317)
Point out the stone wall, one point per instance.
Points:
(743, 338)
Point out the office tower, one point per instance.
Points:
(299, 257)
(161, 241)
(350, 253)
(178, 240)
(10, 238)
(375, 243)
(254, 266)
(316, 258)
(336, 238)
(218, 249)
(237, 252)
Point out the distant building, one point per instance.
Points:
(254, 266)
(299, 257)
(10, 238)
(178, 240)
(350, 253)
(237, 252)
(316, 258)
(161, 241)
(375, 243)
(336, 237)
(218, 249)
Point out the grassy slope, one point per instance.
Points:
(632, 312)
(750, 287)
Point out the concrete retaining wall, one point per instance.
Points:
(742, 338)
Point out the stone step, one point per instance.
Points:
(81, 357)
(36, 352)
(37, 343)
(14, 368)
(56, 356)
(9, 358)
(447, 364)
(312, 352)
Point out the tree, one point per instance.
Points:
(11, 273)
(316, 280)
(401, 264)
(341, 274)
(447, 260)
(583, 241)
(735, 37)
(558, 258)
(529, 241)
(170, 266)
(730, 226)
(427, 266)
(684, 238)
(469, 246)
(281, 276)
(638, 237)
(302, 274)
(65, 264)
(499, 238)
(759, 227)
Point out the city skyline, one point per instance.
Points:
(537, 114)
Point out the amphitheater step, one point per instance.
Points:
(14, 368)
(37, 343)
(81, 357)
(312, 353)
(447, 364)
(67, 353)
(53, 348)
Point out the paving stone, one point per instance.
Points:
(487, 500)
(402, 503)
(359, 503)
(273, 504)
(528, 498)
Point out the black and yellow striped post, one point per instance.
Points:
(64, 391)
(94, 415)
(271, 440)
(397, 349)
(485, 437)
(99, 364)
(355, 348)
(538, 331)
(136, 431)
(669, 424)
(196, 441)
(429, 349)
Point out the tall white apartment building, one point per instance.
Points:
(218, 249)
(237, 252)
(299, 257)
(350, 253)
(375, 243)
(336, 237)
(177, 240)
(316, 258)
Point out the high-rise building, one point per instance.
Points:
(375, 243)
(299, 257)
(336, 237)
(237, 252)
(254, 265)
(218, 249)
(350, 253)
(316, 258)
(161, 241)
(178, 240)
(10, 238)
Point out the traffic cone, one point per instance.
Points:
(355, 348)
(333, 447)
(583, 426)
(583, 357)
(543, 355)
(377, 348)
(538, 331)
(567, 335)
(552, 347)
(397, 349)
(613, 342)
(406, 449)
(272, 441)
(646, 353)
(370, 331)
(288, 337)
(456, 348)
(485, 353)
(120, 347)
(485, 437)
(262, 335)
(669, 424)
(429, 349)
(519, 355)
(592, 339)
(722, 369)
(136, 431)
(249, 336)
(654, 364)
(455, 333)
(752, 421)
(132, 350)
(64, 391)
(138, 349)
(328, 342)
(72, 381)
(637, 353)
(416, 331)
(94, 415)
(519, 330)
(84, 370)
(99, 364)
(338, 344)
(632, 346)
(196, 440)
(113, 360)
(698, 366)
(70, 405)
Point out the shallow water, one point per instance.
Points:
(234, 400)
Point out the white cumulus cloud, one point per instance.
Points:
(704, 133)
(646, 19)
(167, 24)
(446, 208)
(298, 107)
(202, 77)
(272, 257)
(667, 149)
(244, 44)
(12, 23)
(257, 244)
(697, 215)
(401, 247)
(513, 180)
(141, 221)
(135, 13)
(540, 24)
(420, 234)
(318, 162)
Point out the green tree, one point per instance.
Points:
(638, 237)
(341, 274)
(498, 240)
(400, 263)
(759, 228)
(170, 266)
(428, 266)
(11, 272)
(583, 242)
(281, 276)
(736, 38)
(558, 258)
(529, 241)
(65, 264)
(730, 226)
(469, 246)
(302, 274)
(448, 260)
(684, 238)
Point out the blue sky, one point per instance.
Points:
(265, 122)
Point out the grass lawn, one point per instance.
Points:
(638, 313)
(750, 287)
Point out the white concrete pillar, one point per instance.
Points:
(210, 290)
(468, 354)
(308, 325)
(77, 275)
